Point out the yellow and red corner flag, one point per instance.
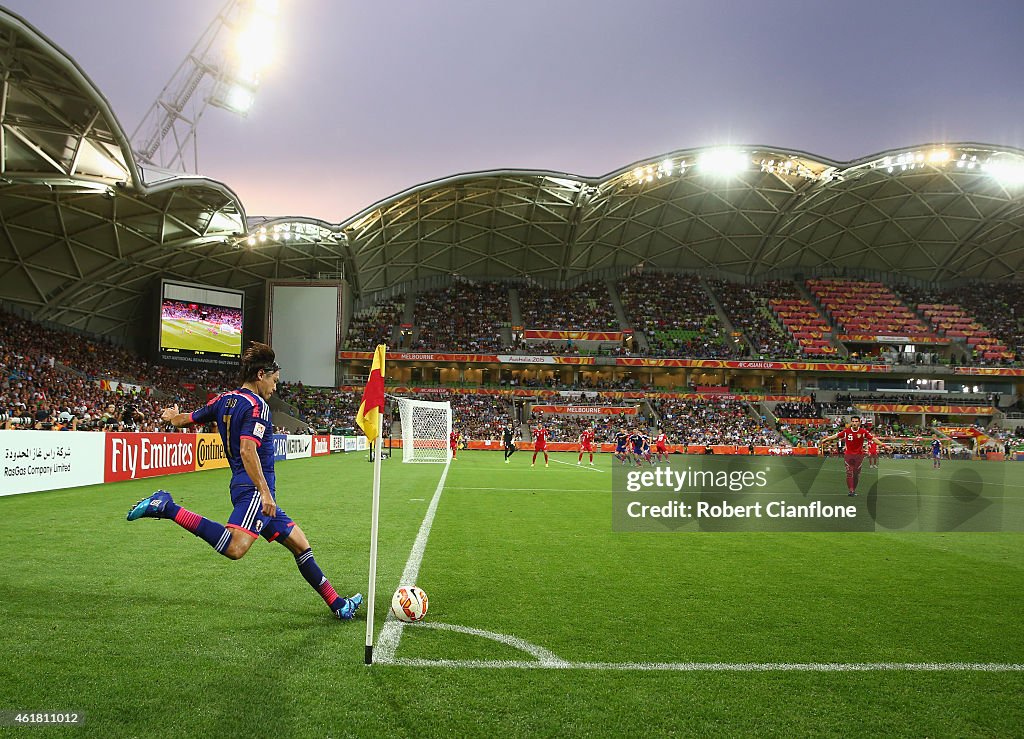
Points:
(372, 407)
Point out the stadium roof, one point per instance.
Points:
(85, 232)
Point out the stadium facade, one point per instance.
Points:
(86, 232)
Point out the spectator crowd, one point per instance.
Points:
(51, 378)
(586, 307)
(709, 422)
(467, 316)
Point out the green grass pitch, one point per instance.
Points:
(141, 626)
(174, 334)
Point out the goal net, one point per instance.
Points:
(426, 426)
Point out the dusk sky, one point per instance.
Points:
(370, 98)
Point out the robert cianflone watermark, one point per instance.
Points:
(746, 493)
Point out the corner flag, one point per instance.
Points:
(372, 407)
(369, 420)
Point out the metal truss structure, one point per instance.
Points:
(86, 233)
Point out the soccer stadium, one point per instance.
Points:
(726, 441)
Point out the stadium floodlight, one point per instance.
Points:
(238, 99)
(723, 161)
(254, 43)
(939, 156)
(223, 69)
(1006, 170)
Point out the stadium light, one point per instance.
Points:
(723, 161)
(1008, 171)
(254, 46)
(251, 50)
(239, 99)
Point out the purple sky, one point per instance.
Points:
(369, 98)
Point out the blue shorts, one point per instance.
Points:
(620, 449)
(247, 515)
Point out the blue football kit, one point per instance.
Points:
(242, 414)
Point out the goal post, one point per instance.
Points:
(426, 429)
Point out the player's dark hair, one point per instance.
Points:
(853, 417)
(256, 357)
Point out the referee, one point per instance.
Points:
(508, 441)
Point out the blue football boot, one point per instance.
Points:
(348, 607)
(151, 507)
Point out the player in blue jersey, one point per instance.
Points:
(621, 438)
(936, 454)
(646, 452)
(636, 441)
(243, 420)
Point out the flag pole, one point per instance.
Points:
(374, 509)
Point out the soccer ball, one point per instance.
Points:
(409, 604)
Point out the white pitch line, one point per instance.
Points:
(714, 666)
(542, 655)
(391, 632)
(580, 466)
(532, 489)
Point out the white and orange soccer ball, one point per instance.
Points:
(409, 604)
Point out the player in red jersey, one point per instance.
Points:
(661, 446)
(853, 437)
(453, 442)
(873, 454)
(540, 444)
(586, 442)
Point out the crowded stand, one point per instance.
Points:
(321, 408)
(711, 422)
(984, 317)
(747, 307)
(465, 317)
(916, 398)
(58, 379)
(895, 429)
(479, 417)
(475, 416)
(805, 435)
(566, 428)
(796, 410)
(374, 325)
(1000, 307)
(676, 315)
(586, 307)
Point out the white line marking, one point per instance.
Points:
(391, 632)
(715, 666)
(536, 490)
(578, 466)
(419, 499)
(542, 655)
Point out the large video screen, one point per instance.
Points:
(200, 324)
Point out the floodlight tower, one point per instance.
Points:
(223, 69)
